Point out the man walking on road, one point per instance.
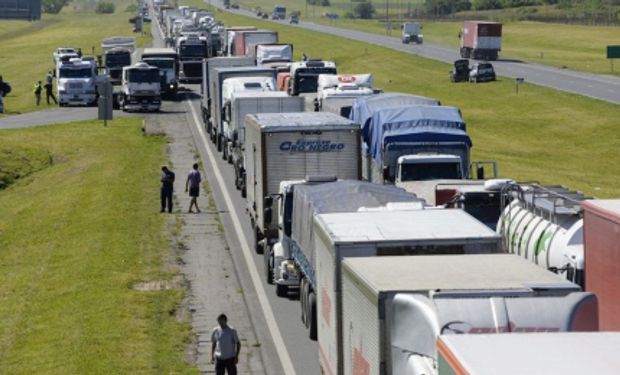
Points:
(37, 93)
(193, 184)
(49, 92)
(225, 347)
(167, 184)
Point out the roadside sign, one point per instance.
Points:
(613, 52)
(518, 81)
(105, 101)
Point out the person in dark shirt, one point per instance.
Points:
(49, 92)
(193, 186)
(167, 183)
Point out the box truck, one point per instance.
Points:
(531, 353)
(481, 40)
(394, 308)
(601, 236)
(245, 38)
(342, 86)
(376, 234)
(288, 146)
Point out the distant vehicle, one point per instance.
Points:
(411, 33)
(481, 40)
(235, 6)
(294, 20)
(140, 88)
(460, 71)
(259, 14)
(65, 53)
(279, 12)
(481, 72)
(265, 16)
(76, 82)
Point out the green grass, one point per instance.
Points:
(540, 134)
(28, 46)
(18, 161)
(74, 237)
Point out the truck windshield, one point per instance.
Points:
(430, 171)
(161, 64)
(193, 50)
(75, 73)
(118, 59)
(143, 76)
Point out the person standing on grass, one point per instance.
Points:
(225, 347)
(49, 77)
(37, 93)
(167, 184)
(49, 92)
(193, 185)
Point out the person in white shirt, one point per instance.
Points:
(225, 347)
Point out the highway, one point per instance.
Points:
(601, 87)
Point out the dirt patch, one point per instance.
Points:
(157, 285)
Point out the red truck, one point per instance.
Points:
(481, 40)
(601, 239)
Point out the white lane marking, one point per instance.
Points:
(278, 341)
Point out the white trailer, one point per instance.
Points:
(245, 103)
(288, 146)
(531, 354)
(349, 86)
(394, 308)
(381, 233)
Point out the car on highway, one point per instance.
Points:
(481, 72)
(294, 20)
(460, 71)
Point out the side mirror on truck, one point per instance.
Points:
(268, 201)
(267, 215)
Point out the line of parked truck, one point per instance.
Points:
(368, 207)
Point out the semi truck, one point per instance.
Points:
(436, 134)
(140, 88)
(287, 146)
(230, 88)
(279, 12)
(229, 35)
(242, 104)
(291, 259)
(274, 55)
(191, 49)
(363, 107)
(410, 33)
(520, 353)
(166, 60)
(481, 40)
(395, 308)
(304, 76)
(244, 39)
(377, 234)
(117, 53)
(601, 236)
(341, 86)
(216, 91)
(76, 82)
(544, 224)
(208, 71)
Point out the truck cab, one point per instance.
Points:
(304, 76)
(191, 49)
(279, 12)
(342, 87)
(410, 33)
(117, 54)
(427, 166)
(64, 54)
(77, 82)
(140, 90)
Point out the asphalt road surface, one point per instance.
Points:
(601, 87)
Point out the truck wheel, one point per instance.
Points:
(281, 290)
(244, 193)
(268, 260)
(219, 143)
(225, 153)
(257, 237)
(312, 319)
(230, 159)
(303, 292)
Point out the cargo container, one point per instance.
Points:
(378, 234)
(531, 354)
(481, 40)
(601, 220)
(364, 107)
(243, 39)
(501, 291)
(290, 146)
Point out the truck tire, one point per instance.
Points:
(258, 248)
(312, 318)
(268, 261)
(244, 193)
(281, 291)
(224, 152)
(219, 143)
(303, 292)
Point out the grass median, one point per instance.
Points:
(539, 134)
(77, 234)
(27, 47)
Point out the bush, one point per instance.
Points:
(486, 4)
(53, 6)
(325, 3)
(364, 10)
(444, 7)
(105, 8)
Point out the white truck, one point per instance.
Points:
(217, 99)
(304, 77)
(77, 82)
(517, 354)
(242, 104)
(64, 54)
(140, 89)
(287, 146)
(342, 86)
(410, 33)
(191, 49)
(423, 231)
(166, 59)
(299, 201)
(117, 53)
(275, 55)
(395, 308)
(208, 72)
(544, 224)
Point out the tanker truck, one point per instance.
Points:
(544, 225)
(394, 308)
